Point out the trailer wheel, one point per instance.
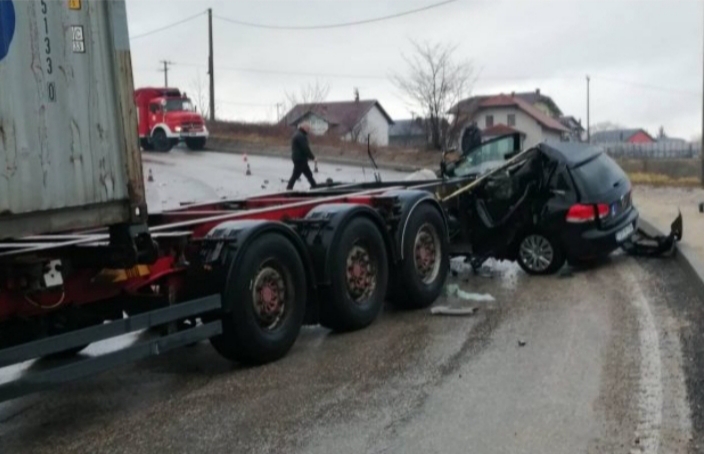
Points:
(196, 144)
(422, 273)
(266, 298)
(161, 142)
(359, 278)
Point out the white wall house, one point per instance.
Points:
(350, 120)
(514, 112)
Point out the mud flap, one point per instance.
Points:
(643, 244)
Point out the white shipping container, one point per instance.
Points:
(69, 155)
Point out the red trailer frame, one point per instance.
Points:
(246, 273)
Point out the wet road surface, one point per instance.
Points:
(587, 363)
(603, 360)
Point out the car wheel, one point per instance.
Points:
(160, 141)
(539, 254)
(196, 144)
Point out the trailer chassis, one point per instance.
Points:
(244, 273)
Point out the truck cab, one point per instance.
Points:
(167, 117)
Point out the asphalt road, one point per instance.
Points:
(603, 360)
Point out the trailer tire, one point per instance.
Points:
(265, 299)
(196, 144)
(359, 278)
(421, 274)
(161, 142)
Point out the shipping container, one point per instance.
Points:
(69, 154)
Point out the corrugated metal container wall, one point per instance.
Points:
(69, 155)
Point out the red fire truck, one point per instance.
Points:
(167, 117)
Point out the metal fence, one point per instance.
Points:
(657, 150)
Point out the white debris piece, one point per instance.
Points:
(421, 175)
(446, 310)
(455, 290)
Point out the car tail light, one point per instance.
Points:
(603, 210)
(579, 213)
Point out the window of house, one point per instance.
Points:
(511, 120)
(489, 121)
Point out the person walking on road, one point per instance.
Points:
(300, 155)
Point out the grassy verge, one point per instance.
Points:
(656, 179)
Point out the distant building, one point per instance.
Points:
(576, 130)
(515, 112)
(622, 136)
(408, 133)
(664, 138)
(350, 120)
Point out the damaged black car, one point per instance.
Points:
(553, 203)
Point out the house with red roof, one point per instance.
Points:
(500, 114)
(350, 120)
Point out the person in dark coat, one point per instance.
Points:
(300, 155)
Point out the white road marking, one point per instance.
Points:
(650, 392)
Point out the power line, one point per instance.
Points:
(165, 27)
(336, 25)
(287, 73)
(648, 86)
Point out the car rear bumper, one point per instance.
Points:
(593, 243)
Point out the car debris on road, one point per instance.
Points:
(446, 310)
(644, 244)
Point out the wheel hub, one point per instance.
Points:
(268, 295)
(361, 274)
(427, 253)
(536, 253)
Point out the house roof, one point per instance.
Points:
(500, 130)
(406, 128)
(343, 116)
(534, 97)
(615, 135)
(520, 103)
(570, 122)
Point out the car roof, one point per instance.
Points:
(571, 153)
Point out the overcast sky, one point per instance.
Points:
(644, 57)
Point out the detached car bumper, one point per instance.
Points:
(594, 242)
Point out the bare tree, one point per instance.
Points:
(357, 131)
(311, 93)
(199, 96)
(436, 81)
(605, 126)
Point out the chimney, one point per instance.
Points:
(356, 95)
(537, 91)
(513, 94)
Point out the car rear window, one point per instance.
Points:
(598, 175)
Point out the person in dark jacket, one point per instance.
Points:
(300, 154)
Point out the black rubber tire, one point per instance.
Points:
(196, 144)
(161, 142)
(338, 311)
(146, 145)
(559, 257)
(410, 291)
(243, 339)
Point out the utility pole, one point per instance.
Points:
(589, 136)
(211, 72)
(701, 145)
(166, 64)
(278, 115)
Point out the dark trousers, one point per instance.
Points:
(301, 167)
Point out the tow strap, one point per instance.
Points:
(643, 244)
